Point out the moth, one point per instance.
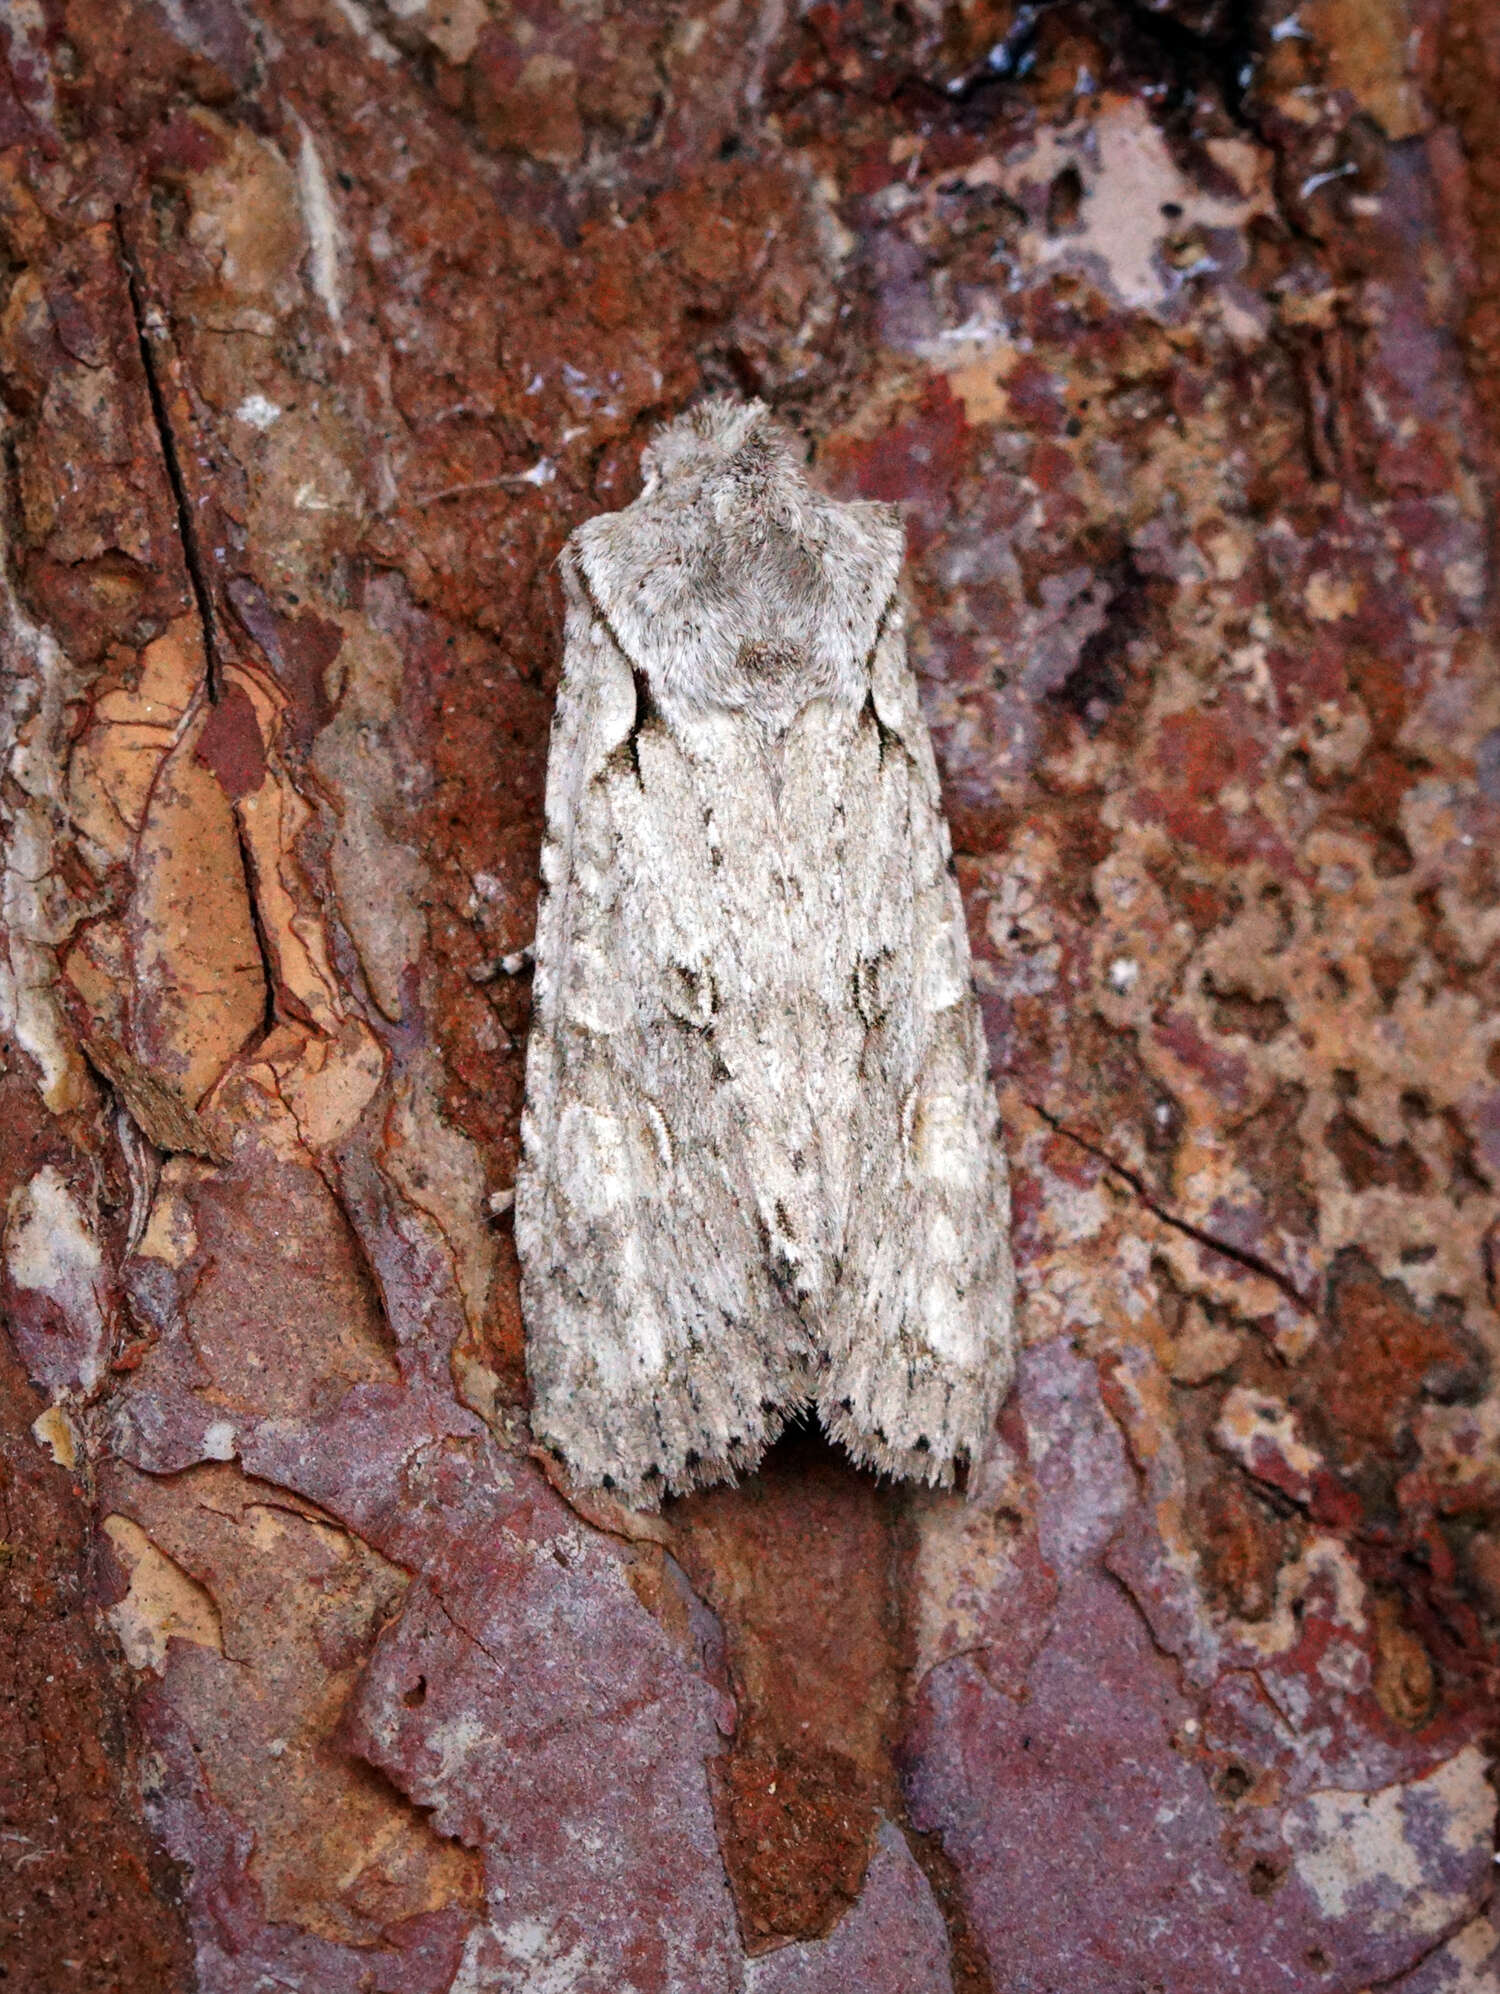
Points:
(760, 1158)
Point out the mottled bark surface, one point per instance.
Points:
(1174, 328)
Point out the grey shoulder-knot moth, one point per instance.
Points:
(761, 1166)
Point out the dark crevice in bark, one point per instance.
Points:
(187, 532)
(258, 929)
(968, 1962)
(197, 573)
(1241, 1255)
(1216, 52)
(1444, 1938)
(1183, 53)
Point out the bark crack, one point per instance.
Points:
(187, 530)
(197, 573)
(1254, 1263)
(1443, 1938)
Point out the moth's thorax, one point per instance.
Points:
(732, 584)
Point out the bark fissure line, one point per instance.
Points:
(197, 573)
(187, 531)
(1252, 1262)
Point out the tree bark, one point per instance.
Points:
(1172, 327)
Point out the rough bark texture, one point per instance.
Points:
(1174, 327)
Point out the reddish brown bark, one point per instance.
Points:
(322, 324)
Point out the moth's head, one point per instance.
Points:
(733, 454)
(732, 581)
